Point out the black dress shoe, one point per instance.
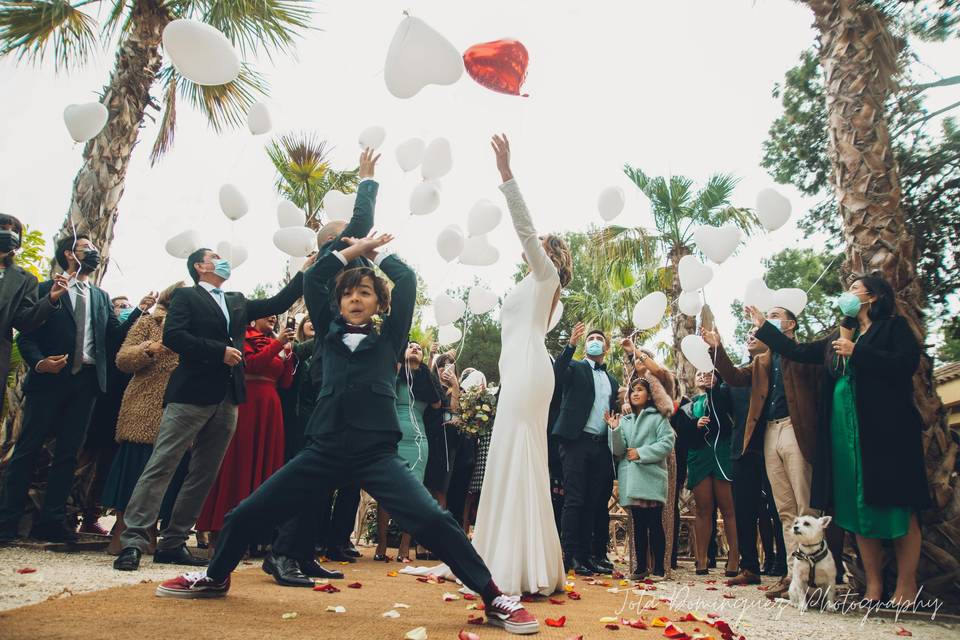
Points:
(589, 564)
(338, 554)
(578, 567)
(285, 571)
(350, 550)
(314, 569)
(51, 531)
(381, 557)
(603, 563)
(128, 560)
(180, 555)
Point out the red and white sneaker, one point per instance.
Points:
(193, 585)
(507, 612)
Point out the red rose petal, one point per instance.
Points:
(556, 622)
(26, 570)
(713, 615)
(710, 581)
(664, 599)
(475, 620)
(903, 632)
(354, 585)
(675, 633)
(612, 627)
(639, 624)
(688, 618)
(616, 575)
(326, 588)
(555, 601)
(711, 589)
(575, 638)
(729, 596)
(573, 595)
(467, 635)
(469, 596)
(722, 627)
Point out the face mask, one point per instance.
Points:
(91, 259)
(9, 241)
(124, 314)
(595, 348)
(776, 323)
(849, 304)
(221, 267)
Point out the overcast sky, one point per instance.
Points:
(671, 87)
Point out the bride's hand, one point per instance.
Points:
(501, 148)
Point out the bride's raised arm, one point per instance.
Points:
(540, 263)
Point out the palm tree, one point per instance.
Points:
(859, 56)
(304, 175)
(678, 209)
(31, 29)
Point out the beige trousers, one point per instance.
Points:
(790, 475)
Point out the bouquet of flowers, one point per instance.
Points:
(478, 406)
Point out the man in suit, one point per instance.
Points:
(67, 357)
(588, 392)
(205, 326)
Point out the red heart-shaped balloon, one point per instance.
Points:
(500, 65)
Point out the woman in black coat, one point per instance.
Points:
(868, 468)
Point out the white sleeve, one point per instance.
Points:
(540, 263)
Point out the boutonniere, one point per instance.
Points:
(377, 321)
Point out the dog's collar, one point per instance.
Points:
(812, 557)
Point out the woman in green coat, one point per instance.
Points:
(641, 442)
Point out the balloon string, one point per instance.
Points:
(820, 277)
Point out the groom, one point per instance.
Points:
(588, 392)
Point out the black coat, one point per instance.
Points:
(196, 330)
(883, 361)
(720, 412)
(576, 379)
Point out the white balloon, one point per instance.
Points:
(792, 299)
(84, 121)
(258, 119)
(437, 159)
(717, 243)
(693, 273)
(648, 312)
(295, 264)
(232, 202)
(372, 137)
(697, 352)
(480, 300)
(448, 310)
(200, 53)
(418, 56)
(410, 153)
(773, 209)
(450, 243)
(183, 244)
(338, 205)
(557, 315)
(478, 252)
(295, 241)
(235, 253)
(424, 199)
(448, 334)
(290, 215)
(758, 295)
(690, 303)
(611, 202)
(483, 218)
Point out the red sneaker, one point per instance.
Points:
(93, 527)
(193, 585)
(508, 613)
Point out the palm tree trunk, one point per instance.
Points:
(99, 184)
(859, 59)
(682, 324)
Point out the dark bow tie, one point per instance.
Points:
(600, 367)
(354, 328)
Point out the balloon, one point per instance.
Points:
(697, 352)
(418, 56)
(717, 243)
(483, 218)
(648, 312)
(235, 253)
(84, 121)
(295, 264)
(424, 199)
(448, 334)
(338, 205)
(791, 299)
(258, 119)
(478, 252)
(437, 159)
(447, 310)
(200, 53)
(183, 244)
(372, 137)
(290, 215)
(557, 315)
(295, 241)
(773, 209)
(693, 273)
(450, 243)
(500, 65)
(758, 295)
(474, 379)
(610, 203)
(690, 303)
(480, 300)
(232, 202)
(410, 153)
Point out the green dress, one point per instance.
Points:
(709, 460)
(851, 511)
(413, 444)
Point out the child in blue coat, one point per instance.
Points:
(641, 442)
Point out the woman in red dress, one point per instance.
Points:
(256, 450)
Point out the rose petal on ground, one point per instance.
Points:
(337, 609)
(289, 615)
(711, 589)
(613, 590)
(326, 588)
(609, 619)
(392, 574)
(25, 570)
(729, 596)
(625, 583)
(612, 627)
(723, 628)
(662, 621)
(556, 622)
(467, 635)
(663, 599)
(400, 605)
(639, 624)
(391, 614)
(555, 601)
(675, 633)
(617, 575)
(903, 632)
(419, 633)
(354, 585)
(450, 597)
(474, 619)
(573, 595)
(469, 596)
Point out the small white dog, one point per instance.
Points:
(814, 573)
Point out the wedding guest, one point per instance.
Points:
(469, 379)
(443, 436)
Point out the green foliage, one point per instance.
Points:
(30, 255)
(262, 291)
(949, 350)
(480, 347)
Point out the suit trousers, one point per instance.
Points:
(370, 457)
(790, 476)
(587, 483)
(62, 412)
(316, 524)
(208, 429)
(748, 480)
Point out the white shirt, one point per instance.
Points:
(83, 289)
(219, 298)
(601, 401)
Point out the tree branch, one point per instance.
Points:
(928, 116)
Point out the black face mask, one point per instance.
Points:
(9, 241)
(91, 259)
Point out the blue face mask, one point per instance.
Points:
(124, 314)
(849, 304)
(595, 348)
(776, 323)
(221, 267)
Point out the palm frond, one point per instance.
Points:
(30, 28)
(225, 105)
(632, 248)
(716, 193)
(168, 122)
(119, 18)
(250, 24)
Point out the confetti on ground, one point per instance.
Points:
(391, 614)
(337, 609)
(400, 605)
(289, 616)
(419, 633)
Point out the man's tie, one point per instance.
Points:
(217, 291)
(80, 318)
